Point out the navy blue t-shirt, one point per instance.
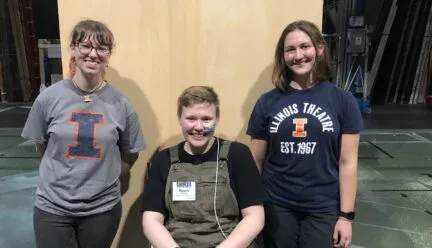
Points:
(303, 130)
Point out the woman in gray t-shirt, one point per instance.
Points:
(89, 135)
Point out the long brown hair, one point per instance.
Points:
(323, 71)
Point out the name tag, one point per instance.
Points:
(183, 191)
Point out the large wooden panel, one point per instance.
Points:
(164, 46)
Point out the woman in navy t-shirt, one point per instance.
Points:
(304, 138)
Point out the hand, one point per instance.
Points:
(124, 178)
(342, 234)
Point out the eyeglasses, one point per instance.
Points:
(86, 48)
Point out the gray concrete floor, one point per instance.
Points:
(394, 200)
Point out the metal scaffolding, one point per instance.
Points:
(346, 37)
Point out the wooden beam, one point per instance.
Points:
(17, 31)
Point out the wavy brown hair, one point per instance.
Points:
(323, 70)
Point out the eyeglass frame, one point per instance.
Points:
(91, 47)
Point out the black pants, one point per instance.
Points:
(95, 231)
(294, 229)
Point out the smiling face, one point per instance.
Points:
(91, 57)
(301, 57)
(300, 54)
(91, 43)
(194, 119)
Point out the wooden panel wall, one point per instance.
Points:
(164, 46)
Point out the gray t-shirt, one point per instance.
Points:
(79, 172)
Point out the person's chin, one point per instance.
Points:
(91, 71)
(200, 141)
(302, 71)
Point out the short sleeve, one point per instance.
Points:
(132, 138)
(258, 121)
(352, 120)
(153, 197)
(36, 125)
(245, 177)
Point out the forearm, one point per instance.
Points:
(348, 186)
(158, 235)
(244, 233)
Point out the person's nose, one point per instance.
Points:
(199, 125)
(298, 54)
(93, 53)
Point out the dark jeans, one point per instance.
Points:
(95, 231)
(295, 229)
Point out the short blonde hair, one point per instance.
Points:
(196, 95)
